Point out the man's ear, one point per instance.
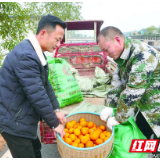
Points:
(118, 40)
(42, 33)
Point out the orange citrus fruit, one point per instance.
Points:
(99, 130)
(94, 128)
(66, 130)
(71, 130)
(69, 125)
(66, 135)
(102, 127)
(88, 136)
(84, 139)
(68, 140)
(99, 141)
(84, 130)
(108, 134)
(80, 136)
(82, 119)
(90, 124)
(94, 135)
(77, 132)
(90, 130)
(72, 137)
(89, 144)
(106, 138)
(79, 127)
(81, 145)
(105, 132)
(74, 144)
(83, 123)
(77, 140)
(73, 122)
(102, 136)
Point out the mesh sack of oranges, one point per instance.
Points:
(85, 132)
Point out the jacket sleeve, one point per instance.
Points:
(143, 65)
(116, 89)
(28, 72)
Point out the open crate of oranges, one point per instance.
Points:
(86, 137)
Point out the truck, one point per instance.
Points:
(83, 53)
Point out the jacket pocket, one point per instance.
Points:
(20, 110)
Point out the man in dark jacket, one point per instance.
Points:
(25, 92)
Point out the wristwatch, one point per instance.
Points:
(57, 110)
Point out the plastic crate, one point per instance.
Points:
(47, 134)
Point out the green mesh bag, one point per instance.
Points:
(63, 82)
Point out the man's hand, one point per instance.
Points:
(106, 113)
(60, 130)
(61, 117)
(112, 122)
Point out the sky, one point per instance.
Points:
(127, 15)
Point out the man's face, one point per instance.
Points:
(52, 40)
(111, 47)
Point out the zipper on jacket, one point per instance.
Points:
(18, 113)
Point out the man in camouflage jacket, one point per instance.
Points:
(136, 80)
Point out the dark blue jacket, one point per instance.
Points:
(25, 93)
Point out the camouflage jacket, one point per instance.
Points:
(136, 83)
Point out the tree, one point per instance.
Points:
(17, 19)
(150, 29)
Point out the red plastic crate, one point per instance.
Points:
(47, 134)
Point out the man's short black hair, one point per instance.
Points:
(110, 32)
(50, 21)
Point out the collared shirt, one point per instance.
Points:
(136, 83)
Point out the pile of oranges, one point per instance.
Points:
(85, 134)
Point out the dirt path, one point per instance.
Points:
(2, 143)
